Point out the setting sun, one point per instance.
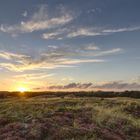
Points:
(22, 89)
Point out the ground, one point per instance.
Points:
(69, 118)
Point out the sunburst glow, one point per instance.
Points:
(22, 89)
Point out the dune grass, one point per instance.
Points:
(71, 118)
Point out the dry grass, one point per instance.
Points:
(70, 118)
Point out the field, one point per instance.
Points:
(69, 117)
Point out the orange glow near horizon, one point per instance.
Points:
(22, 89)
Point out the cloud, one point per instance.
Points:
(39, 21)
(136, 79)
(68, 33)
(57, 34)
(68, 79)
(100, 31)
(63, 56)
(46, 65)
(119, 86)
(108, 52)
(77, 61)
(91, 50)
(95, 51)
(9, 55)
(19, 67)
(83, 32)
(128, 29)
(50, 35)
(71, 86)
(45, 20)
(24, 14)
(90, 86)
(19, 62)
(33, 76)
(92, 47)
(94, 10)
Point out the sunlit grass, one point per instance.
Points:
(107, 113)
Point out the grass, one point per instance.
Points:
(69, 118)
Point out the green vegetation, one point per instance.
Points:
(69, 117)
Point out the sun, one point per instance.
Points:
(22, 89)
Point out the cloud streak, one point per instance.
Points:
(9, 55)
(25, 14)
(39, 21)
(127, 29)
(85, 32)
(108, 52)
(90, 86)
(44, 61)
(33, 76)
(43, 20)
(55, 56)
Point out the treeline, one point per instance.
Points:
(110, 94)
(102, 94)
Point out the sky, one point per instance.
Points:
(69, 45)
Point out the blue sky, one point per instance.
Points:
(62, 45)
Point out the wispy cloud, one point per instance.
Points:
(108, 52)
(127, 29)
(47, 65)
(71, 86)
(44, 61)
(56, 34)
(85, 32)
(39, 21)
(9, 55)
(119, 86)
(33, 76)
(67, 79)
(94, 10)
(56, 56)
(24, 14)
(92, 47)
(100, 31)
(71, 32)
(90, 86)
(44, 20)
